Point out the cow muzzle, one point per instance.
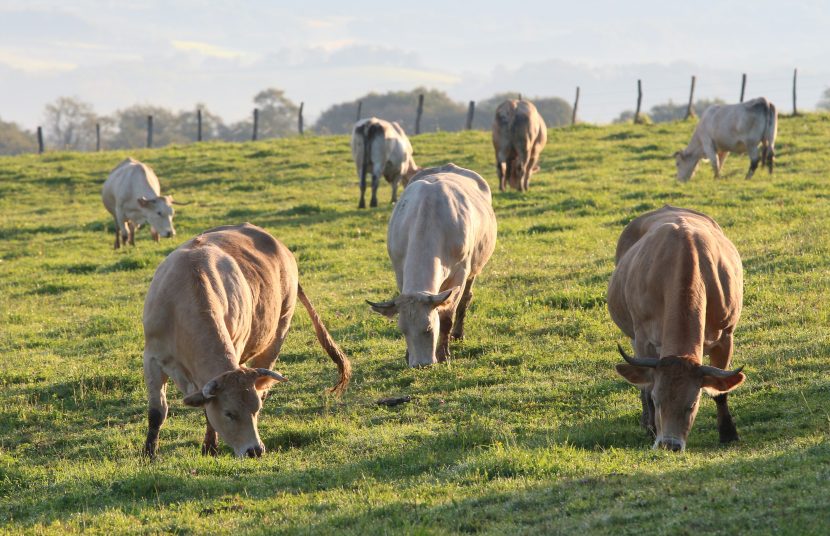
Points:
(255, 452)
(670, 443)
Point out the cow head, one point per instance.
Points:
(418, 321)
(159, 213)
(674, 384)
(232, 402)
(686, 164)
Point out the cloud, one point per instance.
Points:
(30, 64)
(331, 46)
(327, 23)
(206, 49)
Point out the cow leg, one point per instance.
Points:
(362, 203)
(710, 152)
(395, 182)
(721, 356)
(770, 159)
(461, 310)
(445, 320)
(754, 160)
(117, 235)
(375, 184)
(501, 171)
(210, 445)
(531, 164)
(154, 233)
(156, 381)
(721, 159)
(122, 227)
(131, 230)
(642, 348)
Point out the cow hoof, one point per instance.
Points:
(373, 203)
(209, 450)
(728, 435)
(457, 336)
(362, 204)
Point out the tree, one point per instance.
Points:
(555, 111)
(824, 102)
(70, 124)
(277, 114)
(187, 124)
(131, 124)
(440, 112)
(15, 140)
(669, 111)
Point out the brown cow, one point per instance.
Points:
(677, 292)
(519, 135)
(222, 299)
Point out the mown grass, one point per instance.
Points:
(527, 430)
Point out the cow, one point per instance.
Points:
(677, 292)
(132, 195)
(215, 317)
(737, 128)
(441, 234)
(519, 135)
(382, 148)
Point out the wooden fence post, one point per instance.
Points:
(520, 96)
(39, 140)
(199, 124)
(795, 78)
(149, 131)
(471, 110)
(97, 137)
(256, 124)
(300, 119)
(743, 86)
(418, 113)
(359, 109)
(690, 109)
(639, 101)
(576, 105)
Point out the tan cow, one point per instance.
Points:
(677, 292)
(221, 300)
(132, 195)
(441, 234)
(736, 128)
(519, 135)
(382, 148)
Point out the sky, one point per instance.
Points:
(177, 53)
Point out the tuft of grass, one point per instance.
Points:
(526, 430)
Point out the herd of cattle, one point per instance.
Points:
(226, 298)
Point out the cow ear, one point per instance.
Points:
(195, 400)
(143, 202)
(637, 376)
(388, 308)
(714, 385)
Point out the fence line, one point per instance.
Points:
(468, 125)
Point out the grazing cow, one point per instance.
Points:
(737, 128)
(441, 234)
(677, 292)
(131, 194)
(382, 148)
(519, 135)
(222, 299)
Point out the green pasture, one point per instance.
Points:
(527, 430)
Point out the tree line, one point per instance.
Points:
(70, 123)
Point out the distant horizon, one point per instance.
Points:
(180, 53)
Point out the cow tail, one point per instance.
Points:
(769, 135)
(344, 367)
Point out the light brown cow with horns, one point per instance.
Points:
(221, 300)
(677, 291)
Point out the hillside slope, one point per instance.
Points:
(528, 429)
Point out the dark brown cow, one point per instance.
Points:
(677, 292)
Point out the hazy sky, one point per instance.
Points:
(177, 53)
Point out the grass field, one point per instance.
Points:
(527, 430)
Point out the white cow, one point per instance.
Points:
(131, 194)
(441, 234)
(381, 148)
(736, 128)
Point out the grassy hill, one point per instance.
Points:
(527, 430)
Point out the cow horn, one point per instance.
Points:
(719, 373)
(650, 362)
(271, 374)
(209, 390)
